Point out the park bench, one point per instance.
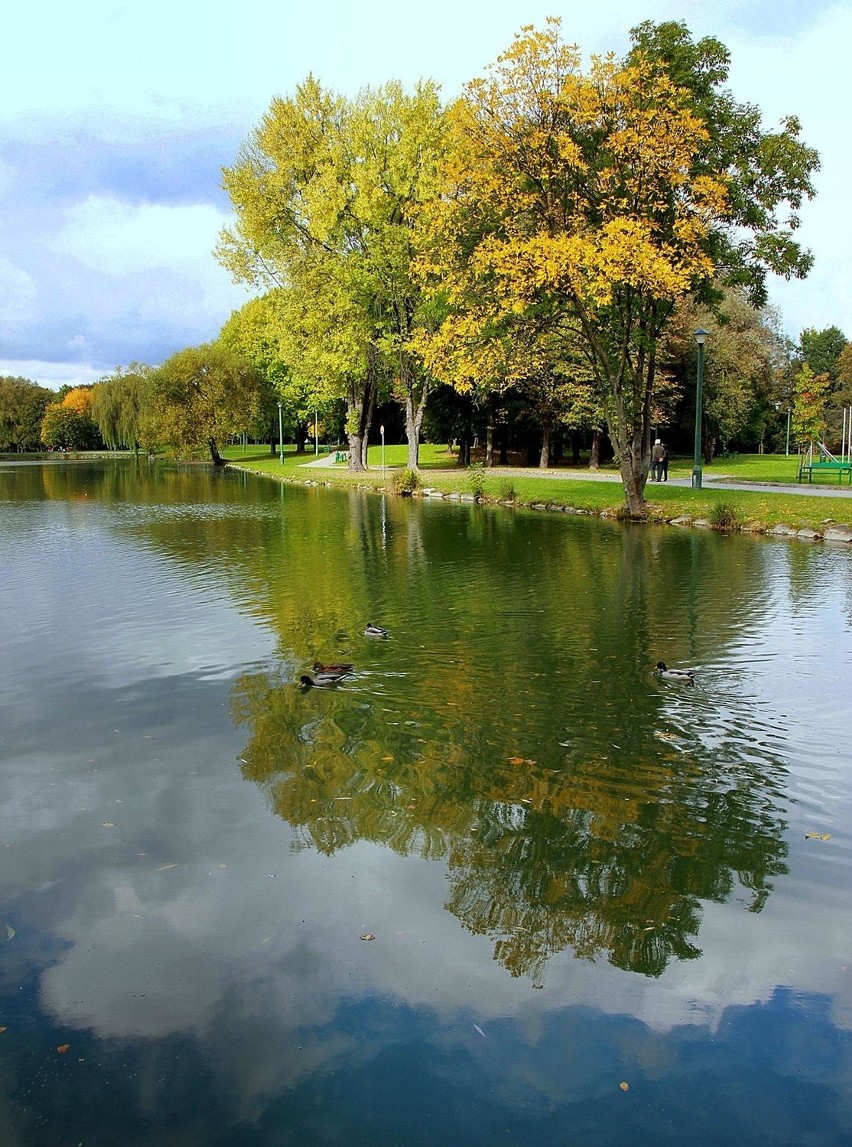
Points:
(808, 469)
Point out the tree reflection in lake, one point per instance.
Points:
(609, 857)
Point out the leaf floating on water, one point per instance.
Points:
(63, 1047)
(165, 867)
(477, 1028)
(367, 936)
(10, 932)
(624, 1086)
(2, 1030)
(107, 824)
(817, 836)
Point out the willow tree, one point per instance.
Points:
(204, 395)
(324, 192)
(119, 402)
(600, 199)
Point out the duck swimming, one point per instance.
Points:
(376, 631)
(323, 679)
(686, 676)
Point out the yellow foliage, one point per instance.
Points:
(79, 400)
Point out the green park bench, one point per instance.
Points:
(828, 469)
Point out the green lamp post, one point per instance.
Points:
(700, 337)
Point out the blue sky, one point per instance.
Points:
(116, 119)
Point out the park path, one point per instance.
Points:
(716, 482)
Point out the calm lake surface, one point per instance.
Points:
(601, 908)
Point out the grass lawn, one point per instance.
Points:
(759, 509)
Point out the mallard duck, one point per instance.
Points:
(686, 676)
(342, 667)
(323, 680)
(376, 631)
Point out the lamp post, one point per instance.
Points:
(700, 337)
(382, 429)
(280, 436)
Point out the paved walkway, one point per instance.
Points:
(716, 481)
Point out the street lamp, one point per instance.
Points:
(280, 436)
(700, 337)
(382, 429)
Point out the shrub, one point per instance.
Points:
(726, 516)
(507, 491)
(476, 480)
(405, 482)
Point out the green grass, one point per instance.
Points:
(759, 509)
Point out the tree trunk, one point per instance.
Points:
(544, 459)
(489, 439)
(414, 412)
(217, 458)
(595, 454)
(360, 408)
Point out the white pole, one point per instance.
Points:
(383, 450)
(316, 432)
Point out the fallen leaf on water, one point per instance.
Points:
(165, 867)
(63, 1047)
(2, 1030)
(624, 1086)
(477, 1028)
(107, 824)
(817, 836)
(10, 932)
(387, 758)
(368, 936)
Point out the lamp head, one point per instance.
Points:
(700, 336)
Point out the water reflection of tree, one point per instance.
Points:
(594, 859)
(515, 638)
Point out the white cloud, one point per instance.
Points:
(119, 238)
(53, 375)
(17, 296)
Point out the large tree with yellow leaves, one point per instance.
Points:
(592, 201)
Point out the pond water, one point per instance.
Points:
(501, 885)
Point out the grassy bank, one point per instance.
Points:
(761, 509)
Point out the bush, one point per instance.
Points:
(726, 516)
(405, 482)
(476, 480)
(507, 491)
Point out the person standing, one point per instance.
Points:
(664, 466)
(657, 456)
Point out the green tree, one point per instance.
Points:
(119, 404)
(252, 332)
(22, 407)
(821, 350)
(203, 395)
(810, 395)
(743, 363)
(324, 191)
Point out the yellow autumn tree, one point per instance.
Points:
(572, 198)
